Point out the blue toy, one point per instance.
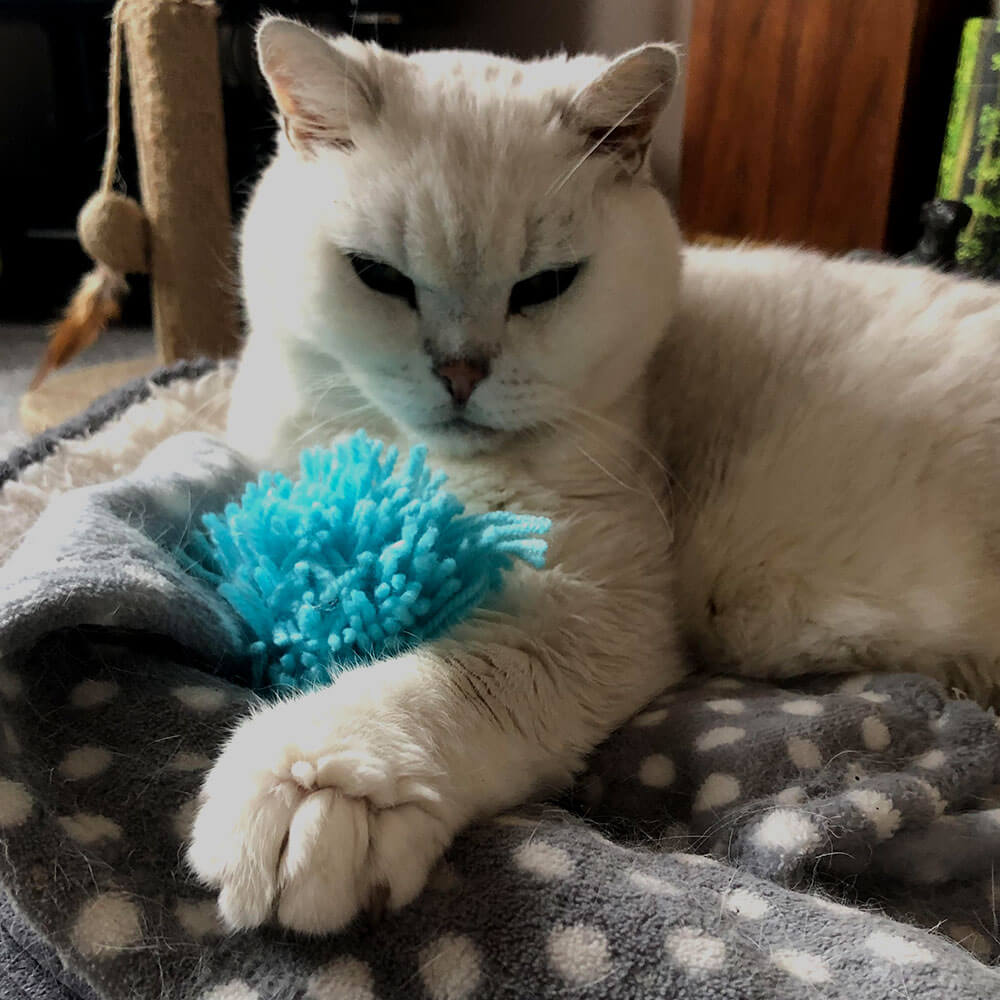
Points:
(352, 561)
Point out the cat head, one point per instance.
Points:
(473, 242)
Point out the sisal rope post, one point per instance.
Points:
(176, 87)
(182, 234)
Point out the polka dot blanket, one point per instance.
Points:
(829, 838)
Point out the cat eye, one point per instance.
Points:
(541, 287)
(383, 278)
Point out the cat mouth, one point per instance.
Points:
(462, 425)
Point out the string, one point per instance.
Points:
(110, 168)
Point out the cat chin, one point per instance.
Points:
(462, 440)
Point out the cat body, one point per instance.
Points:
(784, 466)
(834, 430)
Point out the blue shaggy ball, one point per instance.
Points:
(353, 561)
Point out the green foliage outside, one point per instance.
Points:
(970, 161)
(950, 178)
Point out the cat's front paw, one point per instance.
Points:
(319, 809)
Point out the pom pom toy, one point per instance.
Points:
(353, 561)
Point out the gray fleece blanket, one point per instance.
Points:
(830, 838)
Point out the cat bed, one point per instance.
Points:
(834, 837)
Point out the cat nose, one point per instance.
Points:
(461, 376)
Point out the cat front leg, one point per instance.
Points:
(341, 800)
(328, 803)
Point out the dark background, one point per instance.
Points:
(837, 150)
(53, 120)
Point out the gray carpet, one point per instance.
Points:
(21, 348)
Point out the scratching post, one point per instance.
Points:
(176, 87)
(181, 234)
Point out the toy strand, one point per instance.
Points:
(110, 168)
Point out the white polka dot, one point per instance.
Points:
(91, 693)
(580, 954)
(106, 925)
(235, 989)
(726, 706)
(10, 685)
(184, 761)
(744, 903)
(11, 743)
(87, 828)
(931, 760)
(719, 737)
(801, 965)
(695, 950)
(343, 979)
(653, 883)
(653, 718)
(877, 809)
(544, 860)
(16, 803)
(804, 753)
(199, 917)
(657, 771)
(200, 699)
(897, 949)
(802, 706)
(716, 790)
(794, 795)
(856, 684)
(450, 967)
(787, 830)
(833, 907)
(875, 733)
(938, 804)
(183, 821)
(84, 762)
(874, 697)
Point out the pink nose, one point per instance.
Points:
(461, 377)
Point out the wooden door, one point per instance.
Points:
(794, 116)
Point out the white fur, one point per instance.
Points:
(834, 428)
(829, 430)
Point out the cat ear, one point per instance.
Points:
(323, 87)
(616, 112)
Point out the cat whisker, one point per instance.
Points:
(334, 423)
(644, 489)
(318, 399)
(559, 185)
(564, 402)
(328, 380)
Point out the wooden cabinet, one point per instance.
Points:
(817, 122)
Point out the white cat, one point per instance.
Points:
(790, 466)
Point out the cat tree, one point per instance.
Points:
(181, 235)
